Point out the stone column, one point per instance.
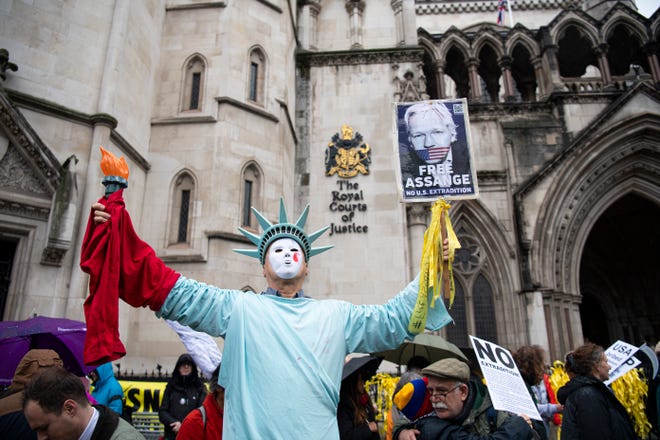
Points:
(355, 8)
(475, 84)
(308, 24)
(505, 66)
(540, 79)
(550, 64)
(536, 325)
(103, 126)
(651, 51)
(440, 78)
(603, 64)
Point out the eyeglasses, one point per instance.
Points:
(440, 393)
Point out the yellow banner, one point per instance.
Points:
(143, 396)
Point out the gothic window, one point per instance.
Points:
(457, 332)
(257, 75)
(625, 51)
(484, 309)
(575, 53)
(473, 312)
(193, 85)
(523, 74)
(250, 195)
(489, 72)
(456, 68)
(183, 196)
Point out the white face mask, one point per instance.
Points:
(285, 258)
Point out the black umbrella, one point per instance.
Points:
(367, 364)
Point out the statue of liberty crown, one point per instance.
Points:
(283, 229)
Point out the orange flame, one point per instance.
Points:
(111, 166)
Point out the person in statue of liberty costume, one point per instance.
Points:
(284, 352)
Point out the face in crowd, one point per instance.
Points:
(447, 396)
(285, 260)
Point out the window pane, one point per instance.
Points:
(247, 202)
(254, 72)
(457, 332)
(182, 236)
(194, 92)
(484, 310)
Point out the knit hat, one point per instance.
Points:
(412, 399)
(449, 368)
(283, 229)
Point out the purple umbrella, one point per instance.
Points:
(65, 336)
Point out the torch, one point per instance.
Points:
(115, 172)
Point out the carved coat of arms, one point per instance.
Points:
(347, 155)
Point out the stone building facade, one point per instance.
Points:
(221, 105)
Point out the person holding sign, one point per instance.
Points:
(281, 343)
(591, 411)
(462, 409)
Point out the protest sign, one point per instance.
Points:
(618, 353)
(627, 365)
(506, 386)
(433, 147)
(143, 396)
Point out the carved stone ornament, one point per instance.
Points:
(347, 155)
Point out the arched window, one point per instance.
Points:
(193, 84)
(251, 195)
(575, 53)
(456, 69)
(256, 76)
(473, 313)
(183, 196)
(457, 332)
(523, 74)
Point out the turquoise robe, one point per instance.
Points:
(283, 358)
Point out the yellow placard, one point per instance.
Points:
(143, 396)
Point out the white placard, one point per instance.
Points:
(506, 386)
(628, 364)
(618, 353)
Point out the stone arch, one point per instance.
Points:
(625, 42)
(583, 25)
(497, 265)
(484, 39)
(623, 159)
(621, 18)
(457, 40)
(522, 38)
(455, 56)
(576, 48)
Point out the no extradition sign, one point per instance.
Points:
(506, 386)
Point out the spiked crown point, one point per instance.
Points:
(282, 229)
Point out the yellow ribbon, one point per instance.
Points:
(432, 266)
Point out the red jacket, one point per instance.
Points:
(193, 427)
(120, 265)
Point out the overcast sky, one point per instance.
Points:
(647, 7)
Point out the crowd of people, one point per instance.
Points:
(284, 371)
(441, 400)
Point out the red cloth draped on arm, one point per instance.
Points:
(120, 265)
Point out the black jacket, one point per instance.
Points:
(435, 428)
(182, 395)
(347, 428)
(591, 411)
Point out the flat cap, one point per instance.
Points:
(449, 368)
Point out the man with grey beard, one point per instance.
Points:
(462, 409)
